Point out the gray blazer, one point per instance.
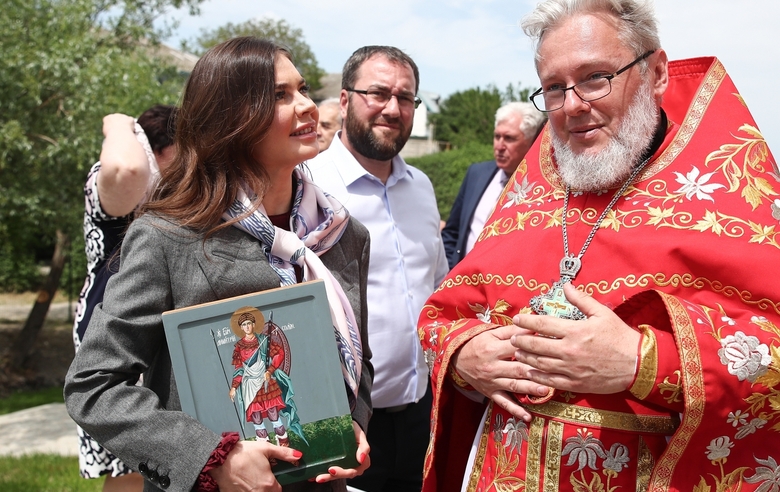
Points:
(165, 267)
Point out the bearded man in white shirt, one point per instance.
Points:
(396, 202)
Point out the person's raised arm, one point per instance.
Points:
(124, 167)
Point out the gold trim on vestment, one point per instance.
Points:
(552, 459)
(606, 419)
(479, 458)
(644, 466)
(533, 463)
(648, 365)
(444, 359)
(693, 384)
(644, 281)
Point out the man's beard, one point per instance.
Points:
(367, 144)
(612, 165)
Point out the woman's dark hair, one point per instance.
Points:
(226, 110)
(159, 125)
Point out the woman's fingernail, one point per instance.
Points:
(297, 454)
(332, 471)
(361, 458)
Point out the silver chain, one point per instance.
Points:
(597, 225)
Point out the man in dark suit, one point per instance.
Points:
(517, 125)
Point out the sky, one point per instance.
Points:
(461, 44)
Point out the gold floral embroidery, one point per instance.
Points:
(648, 280)
(740, 163)
(584, 449)
(674, 390)
(755, 153)
(568, 396)
(770, 379)
(490, 279)
(718, 452)
(496, 315)
(508, 439)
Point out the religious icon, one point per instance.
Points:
(261, 378)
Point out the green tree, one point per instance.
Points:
(469, 116)
(65, 64)
(277, 31)
(446, 170)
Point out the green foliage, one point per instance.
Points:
(44, 473)
(28, 399)
(324, 437)
(447, 169)
(277, 31)
(469, 116)
(18, 271)
(75, 269)
(65, 65)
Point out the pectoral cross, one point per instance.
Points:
(554, 303)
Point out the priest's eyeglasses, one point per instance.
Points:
(590, 90)
(380, 98)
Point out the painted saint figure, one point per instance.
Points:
(261, 378)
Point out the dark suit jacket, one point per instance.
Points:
(166, 267)
(456, 232)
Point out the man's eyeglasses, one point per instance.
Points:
(378, 97)
(590, 90)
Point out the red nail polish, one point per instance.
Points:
(362, 458)
(297, 454)
(332, 471)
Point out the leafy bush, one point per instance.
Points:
(447, 169)
(18, 271)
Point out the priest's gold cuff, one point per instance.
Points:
(648, 364)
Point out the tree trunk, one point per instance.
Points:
(25, 341)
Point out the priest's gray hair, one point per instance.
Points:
(637, 25)
(531, 121)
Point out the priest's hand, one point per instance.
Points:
(485, 362)
(596, 355)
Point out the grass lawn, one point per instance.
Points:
(41, 472)
(27, 399)
(44, 473)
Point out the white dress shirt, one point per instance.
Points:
(407, 262)
(486, 205)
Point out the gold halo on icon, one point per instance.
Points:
(241, 314)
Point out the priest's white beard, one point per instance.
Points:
(613, 165)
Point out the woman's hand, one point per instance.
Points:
(232, 394)
(364, 461)
(247, 467)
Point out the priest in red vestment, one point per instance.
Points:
(617, 325)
